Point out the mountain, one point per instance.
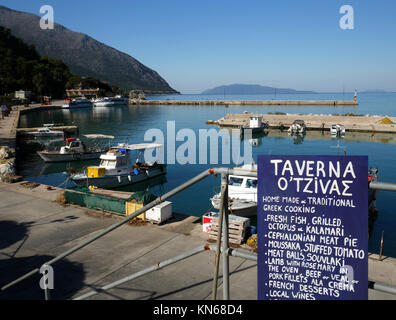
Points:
(84, 55)
(251, 89)
(22, 67)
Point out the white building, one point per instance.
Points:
(21, 94)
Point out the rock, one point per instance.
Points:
(137, 95)
(6, 152)
(6, 168)
(11, 178)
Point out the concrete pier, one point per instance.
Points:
(247, 102)
(370, 124)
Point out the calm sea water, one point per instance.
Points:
(131, 123)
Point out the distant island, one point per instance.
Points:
(252, 89)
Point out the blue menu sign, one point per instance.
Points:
(312, 219)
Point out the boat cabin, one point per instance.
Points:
(73, 145)
(299, 122)
(116, 160)
(241, 187)
(255, 122)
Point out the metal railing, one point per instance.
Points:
(219, 250)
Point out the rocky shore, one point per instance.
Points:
(8, 130)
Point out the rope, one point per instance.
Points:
(64, 183)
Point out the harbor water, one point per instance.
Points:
(130, 123)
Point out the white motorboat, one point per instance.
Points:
(242, 194)
(298, 127)
(116, 168)
(256, 124)
(110, 101)
(77, 103)
(46, 132)
(74, 150)
(337, 130)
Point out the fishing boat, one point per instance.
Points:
(242, 194)
(110, 101)
(116, 168)
(77, 103)
(256, 125)
(337, 130)
(298, 127)
(74, 150)
(45, 132)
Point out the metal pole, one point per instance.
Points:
(47, 294)
(116, 225)
(382, 287)
(382, 246)
(238, 254)
(154, 267)
(226, 273)
(383, 186)
(219, 232)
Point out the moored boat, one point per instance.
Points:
(77, 103)
(242, 194)
(256, 125)
(116, 168)
(337, 130)
(298, 127)
(74, 150)
(46, 132)
(110, 101)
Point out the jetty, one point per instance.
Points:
(246, 102)
(314, 122)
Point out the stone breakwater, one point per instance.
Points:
(314, 122)
(246, 102)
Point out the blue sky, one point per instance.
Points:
(197, 45)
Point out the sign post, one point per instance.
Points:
(312, 224)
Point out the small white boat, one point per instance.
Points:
(298, 127)
(110, 101)
(77, 103)
(116, 168)
(74, 150)
(256, 124)
(337, 130)
(46, 132)
(242, 194)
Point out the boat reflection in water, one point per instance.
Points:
(298, 138)
(66, 167)
(256, 139)
(154, 185)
